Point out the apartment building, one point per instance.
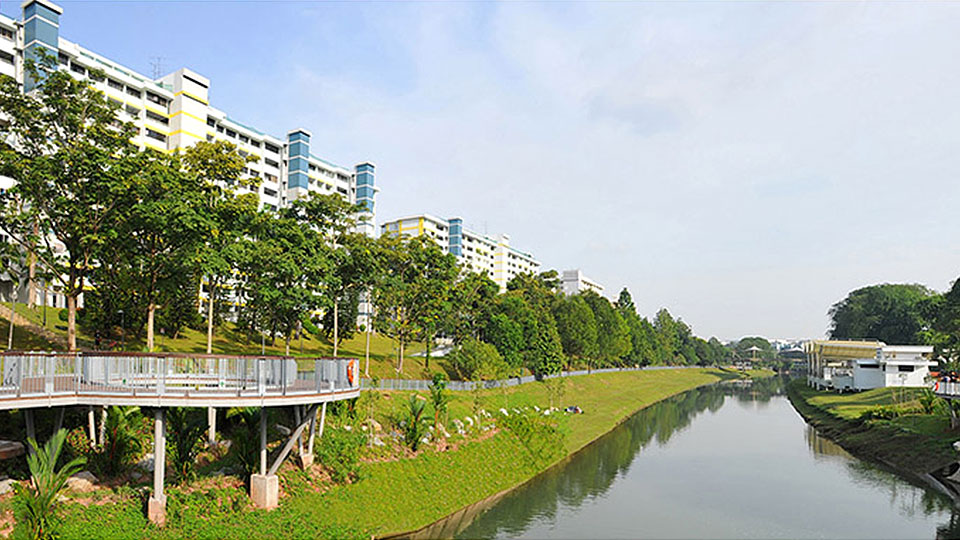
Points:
(574, 282)
(175, 111)
(489, 255)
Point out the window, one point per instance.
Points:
(133, 91)
(97, 76)
(272, 148)
(155, 135)
(242, 153)
(132, 111)
(905, 369)
(219, 129)
(270, 177)
(209, 138)
(269, 192)
(342, 191)
(6, 33)
(255, 144)
(211, 122)
(313, 168)
(244, 138)
(271, 163)
(114, 84)
(159, 100)
(157, 118)
(231, 133)
(63, 59)
(6, 57)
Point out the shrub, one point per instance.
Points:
(245, 438)
(40, 497)
(413, 428)
(476, 360)
(339, 452)
(185, 429)
(439, 397)
(122, 445)
(881, 412)
(928, 401)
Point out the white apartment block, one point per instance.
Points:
(574, 282)
(175, 111)
(491, 256)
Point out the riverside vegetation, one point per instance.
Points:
(369, 480)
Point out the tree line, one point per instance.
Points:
(900, 314)
(139, 232)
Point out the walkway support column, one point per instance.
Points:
(31, 429)
(92, 426)
(264, 488)
(157, 505)
(212, 426)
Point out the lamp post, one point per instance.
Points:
(123, 330)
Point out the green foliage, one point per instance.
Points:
(40, 497)
(413, 428)
(439, 397)
(245, 438)
(891, 313)
(577, 327)
(123, 442)
(475, 360)
(766, 352)
(613, 338)
(185, 428)
(339, 453)
(881, 412)
(556, 389)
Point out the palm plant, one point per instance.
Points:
(40, 498)
(414, 428)
(186, 435)
(122, 443)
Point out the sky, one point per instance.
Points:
(743, 164)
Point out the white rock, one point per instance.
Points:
(146, 463)
(6, 486)
(348, 428)
(469, 421)
(82, 482)
(956, 446)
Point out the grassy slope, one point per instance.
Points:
(916, 443)
(383, 351)
(407, 494)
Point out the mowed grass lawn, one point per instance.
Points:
(227, 340)
(407, 494)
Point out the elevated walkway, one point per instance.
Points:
(31, 380)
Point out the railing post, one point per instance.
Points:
(19, 361)
(317, 366)
(78, 366)
(283, 376)
(161, 375)
(261, 377)
(48, 380)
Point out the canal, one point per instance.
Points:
(724, 461)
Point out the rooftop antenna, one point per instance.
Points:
(156, 65)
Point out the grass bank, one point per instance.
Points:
(392, 495)
(908, 439)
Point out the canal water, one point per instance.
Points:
(725, 461)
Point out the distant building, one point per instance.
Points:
(862, 365)
(489, 255)
(574, 282)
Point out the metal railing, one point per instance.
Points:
(28, 374)
(466, 386)
(945, 388)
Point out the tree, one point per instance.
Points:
(471, 300)
(413, 285)
(41, 496)
(577, 327)
(944, 334)
(351, 255)
(766, 352)
(72, 160)
(476, 360)
(889, 312)
(613, 337)
(161, 231)
(282, 274)
(439, 397)
(221, 167)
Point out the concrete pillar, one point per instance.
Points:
(306, 459)
(58, 423)
(92, 426)
(264, 488)
(212, 426)
(157, 505)
(296, 421)
(103, 426)
(263, 441)
(31, 429)
(323, 417)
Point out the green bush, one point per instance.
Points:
(339, 452)
(476, 360)
(39, 498)
(185, 427)
(123, 442)
(245, 438)
(929, 401)
(881, 412)
(413, 428)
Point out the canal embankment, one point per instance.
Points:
(885, 425)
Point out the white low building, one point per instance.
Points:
(574, 282)
(863, 365)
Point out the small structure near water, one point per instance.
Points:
(863, 365)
